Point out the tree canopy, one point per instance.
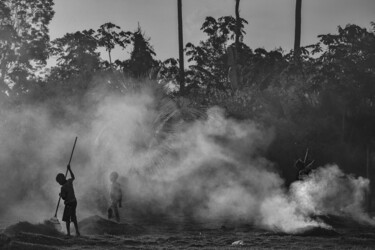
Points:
(324, 100)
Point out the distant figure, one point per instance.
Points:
(115, 197)
(70, 201)
(304, 167)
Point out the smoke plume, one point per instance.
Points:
(206, 168)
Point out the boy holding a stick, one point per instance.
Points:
(70, 201)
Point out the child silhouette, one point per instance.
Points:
(115, 197)
(70, 201)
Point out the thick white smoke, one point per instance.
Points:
(32, 149)
(210, 169)
(329, 191)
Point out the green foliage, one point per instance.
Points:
(141, 60)
(348, 64)
(24, 41)
(347, 74)
(76, 55)
(169, 72)
(209, 66)
(109, 35)
(325, 100)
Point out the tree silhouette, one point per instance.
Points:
(209, 59)
(109, 35)
(235, 76)
(141, 59)
(24, 41)
(181, 48)
(297, 32)
(76, 55)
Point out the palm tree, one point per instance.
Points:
(297, 32)
(181, 47)
(237, 42)
(238, 25)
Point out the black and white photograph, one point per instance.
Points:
(187, 124)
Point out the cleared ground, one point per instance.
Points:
(99, 233)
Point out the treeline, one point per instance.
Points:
(322, 99)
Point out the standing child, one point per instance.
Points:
(70, 201)
(115, 197)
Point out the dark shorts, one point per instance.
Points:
(70, 212)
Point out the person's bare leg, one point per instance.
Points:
(68, 228)
(76, 227)
(110, 213)
(117, 215)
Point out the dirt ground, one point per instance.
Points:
(99, 233)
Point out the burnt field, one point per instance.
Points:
(99, 233)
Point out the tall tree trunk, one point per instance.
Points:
(110, 59)
(181, 48)
(238, 23)
(234, 70)
(297, 32)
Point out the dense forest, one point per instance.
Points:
(320, 97)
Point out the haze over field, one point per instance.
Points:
(250, 143)
(209, 169)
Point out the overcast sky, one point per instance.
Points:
(271, 22)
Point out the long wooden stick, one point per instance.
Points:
(306, 155)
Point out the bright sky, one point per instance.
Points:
(271, 22)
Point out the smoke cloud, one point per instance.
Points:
(329, 191)
(209, 169)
